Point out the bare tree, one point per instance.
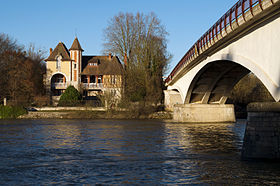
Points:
(8, 44)
(140, 42)
(21, 73)
(38, 69)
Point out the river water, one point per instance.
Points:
(63, 152)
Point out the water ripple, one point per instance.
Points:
(63, 152)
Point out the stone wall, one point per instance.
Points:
(46, 115)
(204, 113)
(262, 139)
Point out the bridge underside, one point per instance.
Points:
(213, 84)
(208, 93)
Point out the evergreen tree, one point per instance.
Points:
(71, 97)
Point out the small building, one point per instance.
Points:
(91, 75)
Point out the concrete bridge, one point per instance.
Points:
(245, 39)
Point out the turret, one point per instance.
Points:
(76, 55)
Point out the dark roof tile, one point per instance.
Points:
(105, 65)
(76, 45)
(60, 49)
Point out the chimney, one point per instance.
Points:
(50, 51)
(125, 59)
(110, 56)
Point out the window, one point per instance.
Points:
(113, 79)
(58, 62)
(92, 64)
(84, 79)
(75, 65)
(60, 80)
(92, 79)
(99, 79)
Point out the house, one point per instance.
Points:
(91, 75)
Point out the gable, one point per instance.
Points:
(60, 50)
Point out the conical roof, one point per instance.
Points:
(76, 45)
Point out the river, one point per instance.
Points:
(63, 152)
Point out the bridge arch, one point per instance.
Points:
(172, 96)
(179, 91)
(213, 79)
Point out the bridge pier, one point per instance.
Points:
(171, 98)
(204, 113)
(262, 136)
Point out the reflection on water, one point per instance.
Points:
(41, 152)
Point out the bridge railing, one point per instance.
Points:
(241, 12)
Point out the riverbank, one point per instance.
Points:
(89, 113)
(11, 112)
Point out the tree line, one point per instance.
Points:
(21, 72)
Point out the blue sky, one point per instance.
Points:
(46, 22)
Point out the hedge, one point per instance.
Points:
(11, 112)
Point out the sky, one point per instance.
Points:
(45, 23)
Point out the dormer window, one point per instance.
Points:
(58, 62)
(93, 64)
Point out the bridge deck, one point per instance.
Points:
(242, 14)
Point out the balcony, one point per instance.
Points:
(92, 86)
(59, 85)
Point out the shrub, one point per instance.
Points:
(10, 112)
(109, 99)
(41, 101)
(71, 97)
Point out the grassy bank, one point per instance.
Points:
(11, 112)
